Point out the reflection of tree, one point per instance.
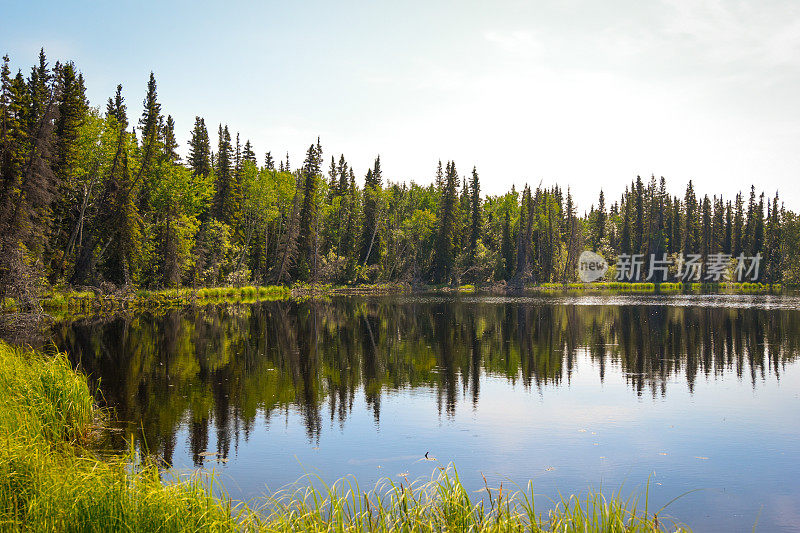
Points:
(216, 369)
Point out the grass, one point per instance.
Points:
(66, 301)
(617, 287)
(50, 481)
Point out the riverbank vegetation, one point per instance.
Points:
(50, 480)
(92, 197)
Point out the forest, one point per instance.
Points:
(94, 197)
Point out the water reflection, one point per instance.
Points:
(216, 371)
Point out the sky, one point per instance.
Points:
(580, 93)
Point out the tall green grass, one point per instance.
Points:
(443, 504)
(50, 481)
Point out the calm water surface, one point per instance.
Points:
(698, 392)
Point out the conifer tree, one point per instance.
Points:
(370, 238)
(749, 233)
(690, 222)
(706, 230)
(168, 139)
(226, 196)
(200, 150)
(343, 172)
(727, 242)
(248, 154)
(475, 215)
(506, 257)
(117, 109)
(148, 123)
(600, 221)
(444, 253)
(737, 241)
(306, 267)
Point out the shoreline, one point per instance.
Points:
(61, 303)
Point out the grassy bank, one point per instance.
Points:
(68, 302)
(65, 301)
(616, 287)
(50, 481)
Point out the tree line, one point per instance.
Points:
(88, 197)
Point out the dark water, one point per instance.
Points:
(692, 392)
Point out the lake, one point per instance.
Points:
(688, 392)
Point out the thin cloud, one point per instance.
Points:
(517, 41)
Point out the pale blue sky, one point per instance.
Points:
(586, 94)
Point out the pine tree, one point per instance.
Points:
(200, 150)
(676, 242)
(148, 123)
(342, 172)
(248, 155)
(727, 243)
(570, 237)
(350, 228)
(72, 109)
(758, 228)
(524, 231)
(748, 235)
(225, 199)
(506, 257)
(600, 222)
(638, 234)
(370, 238)
(718, 225)
(333, 181)
(706, 231)
(117, 109)
(626, 243)
(737, 241)
(690, 227)
(168, 139)
(444, 254)
(475, 214)
(28, 182)
(306, 267)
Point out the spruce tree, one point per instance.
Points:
(168, 139)
(370, 237)
(306, 267)
(117, 109)
(727, 243)
(737, 240)
(475, 215)
(444, 254)
(600, 222)
(225, 198)
(690, 226)
(248, 154)
(343, 172)
(200, 150)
